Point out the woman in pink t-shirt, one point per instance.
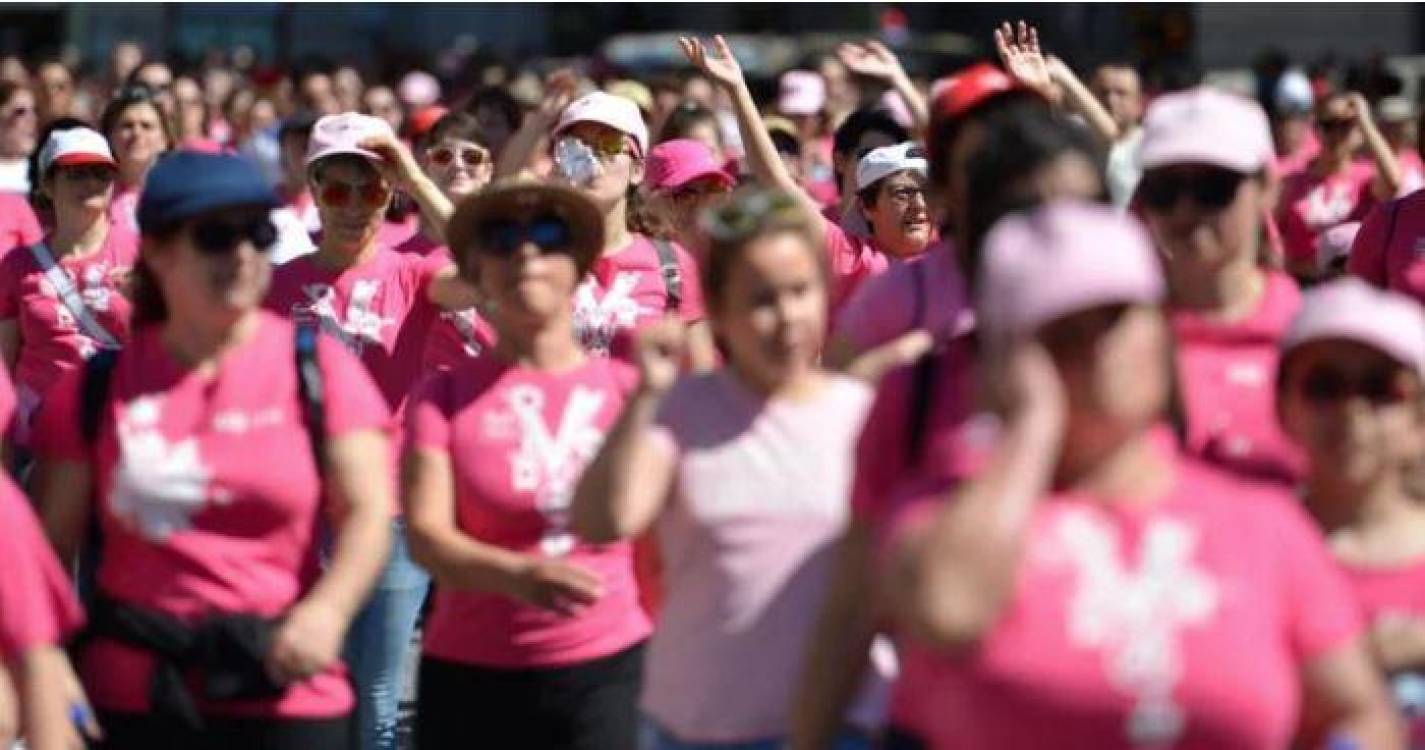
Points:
(536, 637)
(139, 133)
(210, 451)
(64, 298)
(1092, 586)
(743, 472)
(1352, 393)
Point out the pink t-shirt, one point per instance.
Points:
(853, 259)
(1227, 379)
(456, 335)
(124, 208)
(18, 223)
(626, 291)
(926, 292)
(191, 522)
(1311, 204)
(1393, 257)
(378, 309)
(1396, 591)
(52, 341)
(518, 439)
(1412, 170)
(1163, 624)
(37, 603)
(747, 539)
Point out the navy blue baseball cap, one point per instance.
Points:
(184, 184)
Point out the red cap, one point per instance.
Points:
(423, 120)
(958, 95)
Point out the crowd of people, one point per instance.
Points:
(1004, 410)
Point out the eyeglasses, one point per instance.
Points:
(504, 237)
(1382, 386)
(469, 156)
(905, 195)
(746, 216)
(215, 236)
(340, 194)
(1211, 188)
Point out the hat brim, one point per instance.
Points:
(525, 200)
(1191, 149)
(693, 175)
(82, 159)
(370, 156)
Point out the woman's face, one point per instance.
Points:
(900, 217)
(526, 288)
(685, 204)
(1115, 362)
(457, 166)
(192, 110)
(81, 189)
(620, 168)
(380, 101)
(18, 125)
(772, 312)
(215, 268)
(1202, 217)
(1352, 409)
(138, 136)
(351, 197)
(1336, 124)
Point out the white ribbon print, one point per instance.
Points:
(549, 465)
(597, 320)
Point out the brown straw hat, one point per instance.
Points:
(525, 199)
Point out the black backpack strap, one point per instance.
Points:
(313, 392)
(672, 274)
(94, 393)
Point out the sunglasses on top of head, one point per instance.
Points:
(1211, 188)
(504, 237)
(219, 236)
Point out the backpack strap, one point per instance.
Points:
(312, 391)
(672, 274)
(94, 392)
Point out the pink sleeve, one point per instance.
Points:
(352, 400)
(37, 602)
(1368, 251)
(1322, 612)
(56, 431)
(872, 317)
(427, 417)
(840, 251)
(693, 307)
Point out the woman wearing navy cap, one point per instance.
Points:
(215, 445)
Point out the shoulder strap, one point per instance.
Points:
(312, 391)
(672, 274)
(94, 392)
(64, 287)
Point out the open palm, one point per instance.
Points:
(721, 65)
(1019, 51)
(871, 59)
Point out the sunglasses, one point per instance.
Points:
(607, 146)
(81, 172)
(341, 194)
(1381, 387)
(217, 236)
(470, 156)
(1212, 189)
(504, 237)
(1336, 124)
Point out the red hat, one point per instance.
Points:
(423, 120)
(958, 95)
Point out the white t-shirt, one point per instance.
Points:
(1125, 168)
(15, 176)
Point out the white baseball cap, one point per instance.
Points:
(1351, 309)
(603, 108)
(65, 148)
(343, 134)
(888, 160)
(803, 92)
(1206, 126)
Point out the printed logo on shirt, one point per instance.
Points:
(360, 326)
(158, 485)
(1328, 205)
(96, 290)
(548, 465)
(1134, 616)
(597, 320)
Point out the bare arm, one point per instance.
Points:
(400, 167)
(47, 689)
(1081, 100)
(1344, 696)
(62, 496)
(518, 154)
(875, 60)
(1389, 175)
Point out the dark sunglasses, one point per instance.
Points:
(215, 236)
(1381, 387)
(340, 194)
(504, 237)
(1212, 189)
(1336, 125)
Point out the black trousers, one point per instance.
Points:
(125, 731)
(589, 706)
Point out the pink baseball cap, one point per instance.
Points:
(803, 92)
(341, 134)
(673, 164)
(75, 146)
(616, 112)
(1060, 259)
(1206, 126)
(1351, 309)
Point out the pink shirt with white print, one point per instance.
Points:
(626, 291)
(1227, 379)
(518, 439)
(457, 335)
(1166, 623)
(1396, 592)
(192, 522)
(1389, 251)
(37, 602)
(1311, 204)
(52, 340)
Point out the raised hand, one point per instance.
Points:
(1360, 108)
(871, 59)
(721, 66)
(1019, 51)
(397, 163)
(559, 90)
(660, 354)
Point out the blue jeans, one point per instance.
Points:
(664, 741)
(380, 640)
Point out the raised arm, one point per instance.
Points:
(401, 169)
(1389, 176)
(874, 60)
(518, 154)
(1078, 98)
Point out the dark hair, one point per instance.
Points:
(149, 306)
(299, 125)
(500, 100)
(38, 200)
(944, 131)
(684, 118)
(868, 120)
(459, 125)
(127, 98)
(785, 143)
